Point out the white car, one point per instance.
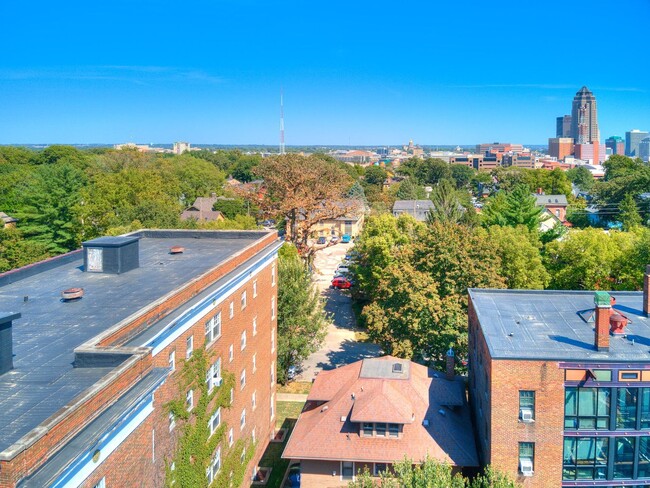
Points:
(342, 269)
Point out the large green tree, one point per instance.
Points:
(16, 251)
(629, 213)
(517, 207)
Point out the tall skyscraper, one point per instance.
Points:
(616, 144)
(584, 118)
(563, 126)
(632, 141)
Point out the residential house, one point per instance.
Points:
(351, 223)
(419, 209)
(556, 204)
(202, 210)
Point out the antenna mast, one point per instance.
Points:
(282, 151)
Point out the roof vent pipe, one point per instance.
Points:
(603, 303)
(646, 291)
(6, 341)
(451, 362)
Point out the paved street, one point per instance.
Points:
(339, 347)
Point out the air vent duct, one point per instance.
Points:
(111, 255)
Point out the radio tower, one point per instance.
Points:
(281, 123)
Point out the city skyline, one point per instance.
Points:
(122, 72)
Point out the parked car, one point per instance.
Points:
(334, 239)
(268, 223)
(292, 372)
(342, 269)
(341, 282)
(321, 240)
(293, 479)
(346, 238)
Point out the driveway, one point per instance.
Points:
(339, 347)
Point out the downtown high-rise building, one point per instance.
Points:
(633, 139)
(584, 118)
(563, 126)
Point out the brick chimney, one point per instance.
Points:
(540, 191)
(646, 291)
(603, 303)
(451, 362)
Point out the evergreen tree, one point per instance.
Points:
(409, 190)
(628, 213)
(447, 208)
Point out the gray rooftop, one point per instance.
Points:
(43, 379)
(409, 205)
(555, 325)
(396, 369)
(543, 200)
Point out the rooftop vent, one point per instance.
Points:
(111, 255)
(397, 367)
(6, 341)
(176, 250)
(72, 294)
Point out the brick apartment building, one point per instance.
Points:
(560, 385)
(84, 381)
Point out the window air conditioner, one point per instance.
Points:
(526, 467)
(526, 414)
(217, 381)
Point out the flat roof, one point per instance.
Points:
(44, 338)
(557, 325)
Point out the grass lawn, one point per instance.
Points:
(286, 416)
(295, 387)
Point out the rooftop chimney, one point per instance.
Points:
(540, 191)
(111, 255)
(6, 341)
(603, 303)
(646, 291)
(451, 362)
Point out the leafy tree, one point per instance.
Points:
(242, 170)
(302, 322)
(491, 478)
(375, 175)
(410, 190)
(521, 260)
(356, 192)
(194, 177)
(15, 251)
(518, 207)
(16, 155)
(63, 154)
(628, 213)
(576, 213)
(432, 170)
(447, 208)
(462, 175)
(581, 177)
(232, 207)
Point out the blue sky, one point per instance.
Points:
(353, 72)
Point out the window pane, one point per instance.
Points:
(381, 429)
(527, 399)
(570, 401)
(587, 401)
(644, 457)
(624, 457)
(603, 375)
(367, 428)
(645, 408)
(626, 408)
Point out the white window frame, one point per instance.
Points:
(232, 309)
(272, 341)
(243, 300)
(189, 346)
(242, 420)
(231, 353)
(254, 362)
(232, 396)
(273, 275)
(255, 289)
(189, 400)
(243, 341)
(254, 436)
(213, 328)
(216, 416)
(216, 462)
(272, 406)
(172, 421)
(101, 483)
(273, 308)
(272, 373)
(255, 325)
(231, 437)
(172, 361)
(242, 379)
(344, 478)
(254, 400)
(213, 376)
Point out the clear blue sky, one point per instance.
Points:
(354, 71)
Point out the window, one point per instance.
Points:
(379, 468)
(254, 362)
(172, 421)
(380, 429)
(585, 458)
(189, 400)
(272, 373)
(586, 408)
(172, 360)
(273, 275)
(213, 328)
(624, 458)
(243, 341)
(253, 436)
(272, 405)
(393, 430)
(526, 405)
(626, 403)
(189, 346)
(254, 326)
(242, 420)
(272, 308)
(644, 408)
(254, 400)
(231, 438)
(215, 421)
(347, 470)
(272, 340)
(242, 379)
(231, 353)
(101, 483)
(232, 309)
(526, 458)
(242, 456)
(255, 289)
(644, 457)
(232, 396)
(243, 300)
(367, 429)
(213, 376)
(215, 466)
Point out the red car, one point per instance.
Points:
(341, 282)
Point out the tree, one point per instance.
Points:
(15, 251)
(304, 190)
(628, 213)
(409, 190)
(581, 177)
(432, 170)
(521, 260)
(375, 175)
(462, 175)
(232, 207)
(302, 322)
(447, 208)
(517, 207)
(491, 478)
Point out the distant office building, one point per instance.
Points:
(560, 147)
(478, 161)
(590, 152)
(584, 117)
(518, 160)
(616, 144)
(181, 147)
(644, 149)
(632, 141)
(563, 126)
(498, 147)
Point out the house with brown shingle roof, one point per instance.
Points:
(373, 413)
(202, 210)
